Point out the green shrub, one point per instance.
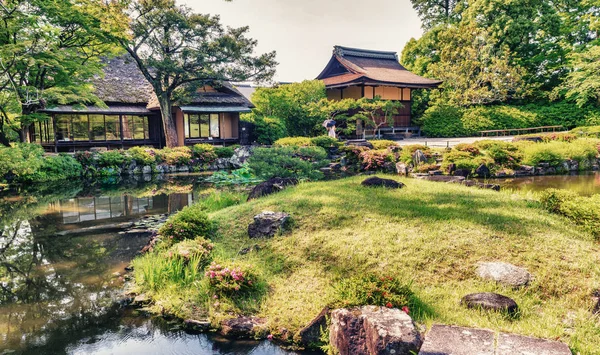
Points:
(203, 153)
(590, 131)
(192, 249)
(85, 158)
(285, 162)
(383, 144)
(142, 156)
(408, 151)
(111, 158)
(57, 168)
(508, 156)
(268, 129)
(189, 223)
(293, 142)
(443, 121)
(19, 161)
(224, 152)
(372, 289)
(325, 142)
(469, 148)
(542, 153)
(176, 156)
(352, 154)
(584, 211)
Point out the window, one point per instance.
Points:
(97, 131)
(140, 127)
(113, 127)
(81, 129)
(201, 126)
(63, 127)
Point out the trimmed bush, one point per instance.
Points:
(204, 153)
(189, 223)
(142, 156)
(224, 152)
(111, 158)
(268, 129)
(20, 161)
(58, 167)
(293, 142)
(288, 162)
(176, 156)
(383, 144)
(325, 142)
(375, 159)
(584, 211)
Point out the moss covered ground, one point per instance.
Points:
(432, 235)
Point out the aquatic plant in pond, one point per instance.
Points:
(241, 176)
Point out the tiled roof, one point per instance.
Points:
(370, 67)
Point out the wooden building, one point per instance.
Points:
(132, 116)
(357, 73)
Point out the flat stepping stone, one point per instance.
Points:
(491, 302)
(451, 340)
(504, 273)
(512, 344)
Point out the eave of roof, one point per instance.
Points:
(215, 109)
(110, 110)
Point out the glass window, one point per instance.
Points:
(138, 127)
(97, 132)
(81, 130)
(204, 126)
(214, 125)
(113, 128)
(63, 127)
(127, 127)
(186, 125)
(50, 130)
(194, 126)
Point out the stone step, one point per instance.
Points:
(452, 340)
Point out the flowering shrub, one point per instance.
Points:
(230, 279)
(372, 289)
(353, 154)
(468, 148)
(193, 249)
(375, 159)
(85, 158)
(204, 153)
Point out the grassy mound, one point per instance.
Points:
(429, 234)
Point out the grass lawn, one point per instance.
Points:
(430, 234)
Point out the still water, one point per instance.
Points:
(586, 184)
(61, 270)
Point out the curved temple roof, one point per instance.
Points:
(350, 66)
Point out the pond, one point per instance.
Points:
(62, 260)
(585, 184)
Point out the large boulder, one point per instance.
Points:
(242, 327)
(379, 182)
(240, 156)
(310, 336)
(359, 143)
(490, 301)
(419, 157)
(504, 273)
(271, 186)
(402, 169)
(372, 330)
(483, 171)
(267, 224)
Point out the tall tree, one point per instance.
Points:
(582, 85)
(435, 12)
(49, 50)
(177, 50)
(474, 71)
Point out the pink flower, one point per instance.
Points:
(270, 337)
(215, 297)
(389, 305)
(405, 309)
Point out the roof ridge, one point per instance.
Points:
(365, 53)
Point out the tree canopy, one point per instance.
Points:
(179, 50)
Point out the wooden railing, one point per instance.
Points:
(517, 131)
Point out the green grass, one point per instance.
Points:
(429, 234)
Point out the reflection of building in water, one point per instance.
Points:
(82, 209)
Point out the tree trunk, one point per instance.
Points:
(166, 111)
(24, 134)
(4, 139)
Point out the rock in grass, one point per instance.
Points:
(197, 325)
(271, 186)
(379, 182)
(490, 301)
(446, 339)
(267, 224)
(504, 273)
(373, 330)
(310, 336)
(242, 327)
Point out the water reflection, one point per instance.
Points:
(585, 184)
(51, 282)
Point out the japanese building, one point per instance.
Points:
(132, 116)
(359, 73)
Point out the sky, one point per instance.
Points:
(303, 32)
